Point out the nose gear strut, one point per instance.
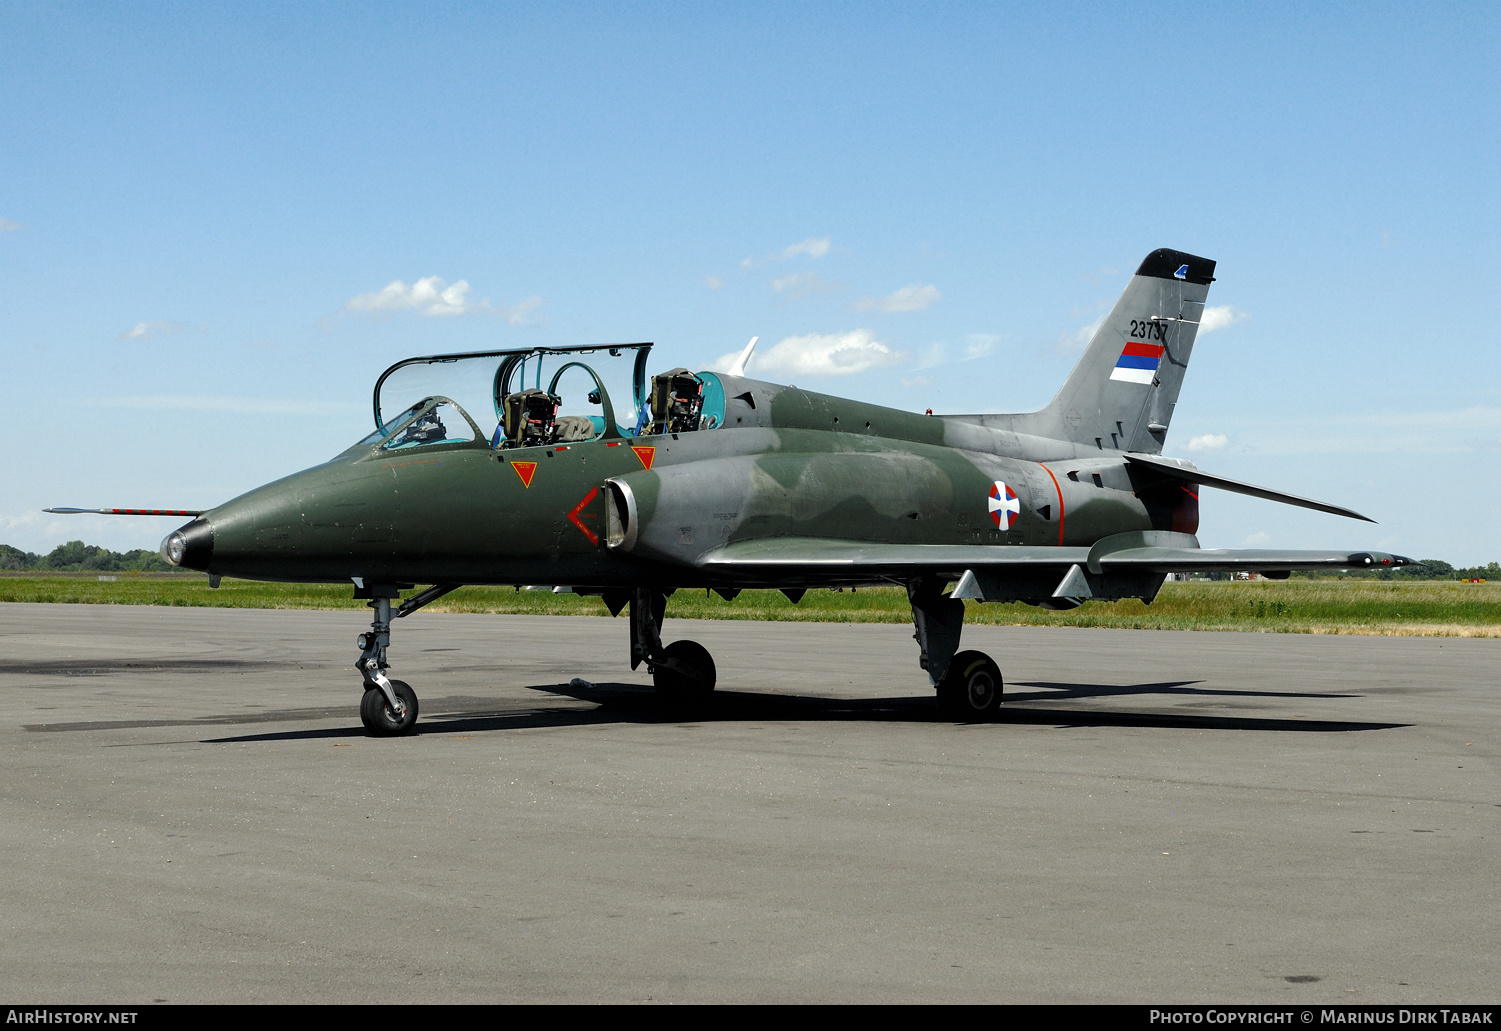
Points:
(398, 714)
(683, 672)
(969, 684)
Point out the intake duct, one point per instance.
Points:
(621, 521)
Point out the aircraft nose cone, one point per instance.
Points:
(191, 547)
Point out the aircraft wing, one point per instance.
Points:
(779, 554)
(996, 572)
(1232, 560)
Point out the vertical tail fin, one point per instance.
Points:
(1122, 392)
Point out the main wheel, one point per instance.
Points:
(693, 679)
(376, 714)
(973, 687)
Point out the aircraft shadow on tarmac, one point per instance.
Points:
(633, 703)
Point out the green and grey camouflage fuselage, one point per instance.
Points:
(777, 486)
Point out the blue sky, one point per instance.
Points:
(200, 206)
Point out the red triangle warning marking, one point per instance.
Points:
(646, 454)
(525, 470)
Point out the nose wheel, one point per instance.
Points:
(389, 708)
(383, 719)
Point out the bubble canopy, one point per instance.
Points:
(604, 384)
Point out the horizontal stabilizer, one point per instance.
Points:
(1187, 474)
(124, 511)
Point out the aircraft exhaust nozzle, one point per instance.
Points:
(190, 547)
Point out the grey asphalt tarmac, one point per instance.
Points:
(191, 812)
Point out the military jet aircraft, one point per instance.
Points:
(723, 482)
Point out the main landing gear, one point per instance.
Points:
(683, 671)
(389, 707)
(969, 683)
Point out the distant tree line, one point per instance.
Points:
(1430, 569)
(78, 557)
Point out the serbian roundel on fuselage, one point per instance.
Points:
(1004, 508)
(1138, 362)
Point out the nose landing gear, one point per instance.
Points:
(389, 707)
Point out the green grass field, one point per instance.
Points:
(1325, 606)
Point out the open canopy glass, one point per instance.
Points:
(538, 396)
(588, 391)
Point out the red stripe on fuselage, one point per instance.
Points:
(1060, 502)
(1143, 350)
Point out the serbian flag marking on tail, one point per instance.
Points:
(1004, 508)
(1138, 363)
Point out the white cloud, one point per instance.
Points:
(1207, 442)
(435, 296)
(813, 247)
(978, 345)
(430, 296)
(25, 519)
(800, 284)
(1256, 539)
(938, 352)
(713, 282)
(909, 298)
(7, 226)
(142, 330)
(827, 354)
(519, 314)
(722, 363)
(1078, 340)
(1219, 316)
(934, 354)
